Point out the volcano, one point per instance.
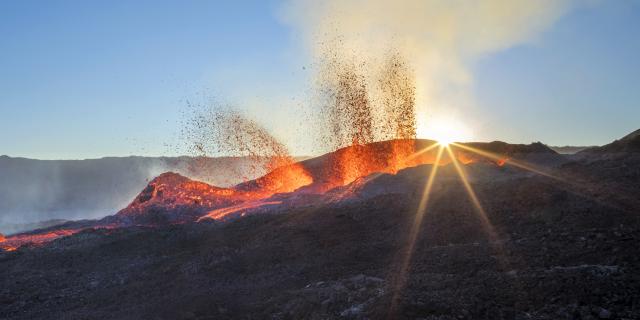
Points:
(171, 198)
(527, 233)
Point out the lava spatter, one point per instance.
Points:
(227, 132)
(398, 99)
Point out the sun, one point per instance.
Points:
(443, 130)
(444, 138)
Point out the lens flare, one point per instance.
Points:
(403, 270)
(500, 160)
(486, 224)
(444, 130)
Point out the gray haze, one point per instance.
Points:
(39, 190)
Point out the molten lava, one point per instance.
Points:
(171, 198)
(348, 164)
(222, 213)
(358, 110)
(41, 237)
(11, 243)
(281, 180)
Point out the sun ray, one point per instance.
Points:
(409, 158)
(403, 270)
(580, 187)
(494, 242)
(424, 200)
(509, 161)
(472, 195)
(425, 150)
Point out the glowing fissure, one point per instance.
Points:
(11, 243)
(357, 112)
(172, 192)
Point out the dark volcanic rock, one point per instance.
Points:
(628, 143)
(172, 198)
(557, 246)
(511, 149)
(550, 252)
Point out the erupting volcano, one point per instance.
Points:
(320, 159)
(432, 204)
(171, 198)
(370, 124)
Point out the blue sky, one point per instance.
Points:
(578, 85)
(85, 79)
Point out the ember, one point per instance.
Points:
(397, 85)
(228, 132)
(357, 109)
(358, 112)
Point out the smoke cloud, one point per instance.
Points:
(35, 191)
(438, 40)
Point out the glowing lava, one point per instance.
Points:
(11, 243)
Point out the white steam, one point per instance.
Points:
(439, 39)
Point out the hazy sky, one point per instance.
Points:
(85, 79)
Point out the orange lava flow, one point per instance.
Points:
(11, 243)
(284, 179)
(357, 161)
(502, 162)
(348, 164)
(224, 212)
(175, 193)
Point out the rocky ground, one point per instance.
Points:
(553, 254)
(561, 247)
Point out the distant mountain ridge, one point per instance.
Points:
(628, 143)
(558, 241)
(39, 190)
(8, 229)
(569, 149)
(172, 198)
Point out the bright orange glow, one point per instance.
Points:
(423, 151)
(13, 242)
(223, 212)
(336, 169)
(287, 178)
(348, 164)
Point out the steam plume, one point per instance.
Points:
(433, 44)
